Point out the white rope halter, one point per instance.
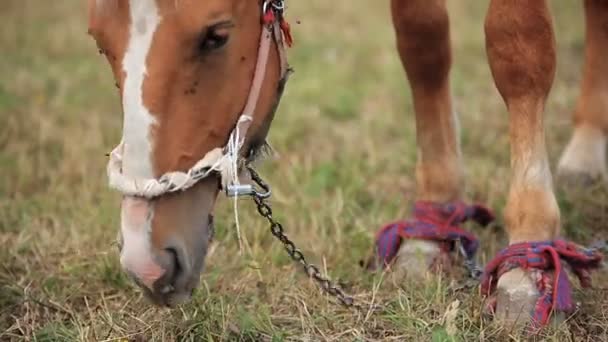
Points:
(216, 160)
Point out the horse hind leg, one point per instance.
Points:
(584, 158)
(521, 52)
(423, 42)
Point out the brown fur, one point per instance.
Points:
(521, 52)
(423, 41)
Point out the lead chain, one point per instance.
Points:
(296, 255)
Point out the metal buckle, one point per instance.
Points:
(241, 190)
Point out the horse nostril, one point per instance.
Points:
(211, 228)
(177, 269)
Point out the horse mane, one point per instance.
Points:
(259, 151)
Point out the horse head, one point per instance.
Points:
(188, 71)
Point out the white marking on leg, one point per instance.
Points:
(458, 131)
(586, 152)
(533, 170)
(531, 218)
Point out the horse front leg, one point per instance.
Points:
(529, 275)
(521, 52)
(415, 246)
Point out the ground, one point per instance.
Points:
(344, 165)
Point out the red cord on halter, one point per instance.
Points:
(270, 17)
(286, 32)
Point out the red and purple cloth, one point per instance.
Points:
(441, 223)
(553, 284)
(434, 222)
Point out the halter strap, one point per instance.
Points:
(222, 160)
(270, 30)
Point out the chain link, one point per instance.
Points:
(296, 255)
(264, 209)
(474, 271)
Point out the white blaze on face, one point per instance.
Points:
(137, 214)
(137, 118)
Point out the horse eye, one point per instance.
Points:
(213, 41)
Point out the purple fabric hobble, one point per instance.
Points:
(433, 222)
(546, 257)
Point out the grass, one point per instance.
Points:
(346, 152)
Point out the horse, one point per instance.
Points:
(200, 81)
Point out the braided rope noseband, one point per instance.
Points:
(219, 160)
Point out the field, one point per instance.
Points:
(345, 154)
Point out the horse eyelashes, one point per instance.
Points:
(212, 41)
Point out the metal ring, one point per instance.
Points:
(278, 5)
(260, 183)
(265, 6)
(262, 195)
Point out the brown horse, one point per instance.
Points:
(186, 70)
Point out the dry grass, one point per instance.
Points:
(346, 152)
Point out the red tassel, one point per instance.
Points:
(269, 17)
(286, 32)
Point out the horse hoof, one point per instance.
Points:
(417, 258)
(516, 296)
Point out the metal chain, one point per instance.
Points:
(474, 271)
(259, 197)
(601, 246)
(296, 255)
(325, 283)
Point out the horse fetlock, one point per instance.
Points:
(531, 215)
